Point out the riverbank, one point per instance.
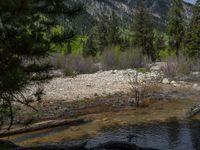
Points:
(168, 100)
(67, 97)
(159, 112)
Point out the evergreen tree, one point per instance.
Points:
(92, 46)
(175, 26)
(143, 30)
(193, 35)
(105, 33)
(113, 35)
(159, 43)
(25, 41)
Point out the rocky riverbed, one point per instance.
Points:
(105, 91)
(109, 93)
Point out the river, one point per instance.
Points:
(166, 136)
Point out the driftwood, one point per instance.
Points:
(195, 110)
(42, 125)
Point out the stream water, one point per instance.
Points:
(164, 136)
(169, 136)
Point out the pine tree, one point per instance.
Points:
(25, 41)
(113, 35)
(159, 43)
(175, 26)
(105, 33)
(193, 35)
(143, 31)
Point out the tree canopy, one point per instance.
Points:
(26, 39)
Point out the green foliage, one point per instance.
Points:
(26, 39)
(142, 70)
(105, 33)
(175, 26)
(143, 31)
(114, 58)
(159, 44)
(193, 34)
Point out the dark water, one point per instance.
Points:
(170, 136)
(165, 136)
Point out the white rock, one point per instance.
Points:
(176, 85)
(165, 81)
(195, 86)
(114, 71)
(181, 82)
(173, 82)
(195, 73)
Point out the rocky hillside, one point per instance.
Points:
(125, 10)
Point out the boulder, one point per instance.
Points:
(195, 86)
(165, 81)
(173, 82)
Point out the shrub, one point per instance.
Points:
(177, 66)
(74, 64)
(140, 89)
(115, 59)
(110, 58)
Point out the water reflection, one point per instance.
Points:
(165, 136)
(195, 134)
(170, 136)
(173, 132)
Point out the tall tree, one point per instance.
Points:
(105, 33)
(193, 35)
(113, 35)
(143, 30)
(25, 40)
(175, 26)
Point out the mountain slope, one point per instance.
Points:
(125, 10)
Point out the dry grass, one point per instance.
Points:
(74, 64)
(140, 89)
(178, 66)
(130, 58)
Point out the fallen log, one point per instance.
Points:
(43, 125)
(194, 111)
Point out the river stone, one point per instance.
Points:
(195, 86)
(173, 82)
(165, 81)
(176, 85)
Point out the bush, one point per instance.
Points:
(177, 66)
(113, 58)
(140, 89)
(74, 64)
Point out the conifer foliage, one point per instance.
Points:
(105, 33)
(25, 40)
(175, 26)
(143, 30)
(193, 35)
